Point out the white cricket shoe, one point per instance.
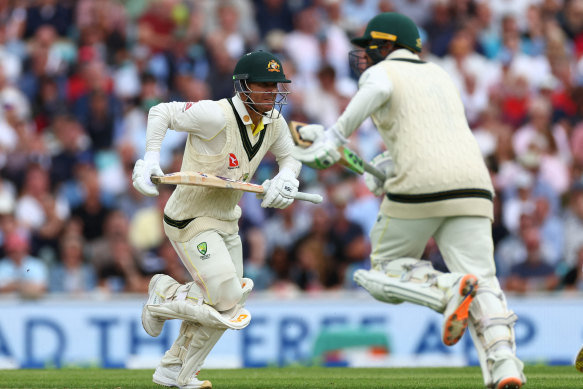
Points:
(507, 373)
(457, 309)
(168, 375)
(152, 324)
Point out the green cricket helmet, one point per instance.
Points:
(389, 27)
(260, 67)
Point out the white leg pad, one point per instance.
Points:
(202, 342)
(172, 300)
(492, 330)
(205, 338)
(203, 314)
(408, 279)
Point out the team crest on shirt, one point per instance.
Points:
(202, 248)
(233, 161)
(187, 105)
(273, 66)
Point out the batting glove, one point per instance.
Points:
(384, 163)
(145, 168)
(323, 152)
(281, 191)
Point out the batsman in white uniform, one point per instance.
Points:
(227, 138)
(437, 186)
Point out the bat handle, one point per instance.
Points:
(311, 197)
(374, 171)
(155, 179)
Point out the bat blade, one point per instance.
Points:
(206, 179)
(212, 181)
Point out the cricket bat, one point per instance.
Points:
(348, 158)
(212, 181)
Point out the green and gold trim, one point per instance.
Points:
(417, 61)
(440, 196)
(383, 35)
(250, 149)
(180, 224)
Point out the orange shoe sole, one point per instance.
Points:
(457, 322)
(509, 383)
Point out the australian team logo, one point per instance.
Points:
(202, 249)
(273, 66)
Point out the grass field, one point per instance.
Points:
(563, 377)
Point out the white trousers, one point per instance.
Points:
(215, 262)
(464, 241)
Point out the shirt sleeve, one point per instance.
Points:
(282, 148)
(374, 90)
(205, 119)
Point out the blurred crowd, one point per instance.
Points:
(77, 79)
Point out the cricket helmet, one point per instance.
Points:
(259, 67)
(391, 26)
(388, 27)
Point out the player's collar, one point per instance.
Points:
(403, 53)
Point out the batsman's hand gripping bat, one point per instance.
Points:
(349, 159)
(210, 180)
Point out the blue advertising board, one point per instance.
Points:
(109, 333)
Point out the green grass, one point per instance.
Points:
(563, 377)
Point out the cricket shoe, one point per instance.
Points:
(152, 324)
(168, 376)
(457, 309)
(507, 373)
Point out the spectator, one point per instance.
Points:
(285, 227)
(116, 227)
(273, 15)
(48, 12)
(69, 147)
(573, 222)
(123, 273)
(72, 274)
(36, 205)
(323, 102)
(534, 274)
(93, 209)
(302, 45)
(19, 271)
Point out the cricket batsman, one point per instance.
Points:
(227, 138)
(437, 186)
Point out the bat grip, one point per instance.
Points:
(374, 171)
(311, 197)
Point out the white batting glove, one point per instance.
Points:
(323, 152)
(311, 132)
(145, 168)
(281, 191)
(384, 163)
